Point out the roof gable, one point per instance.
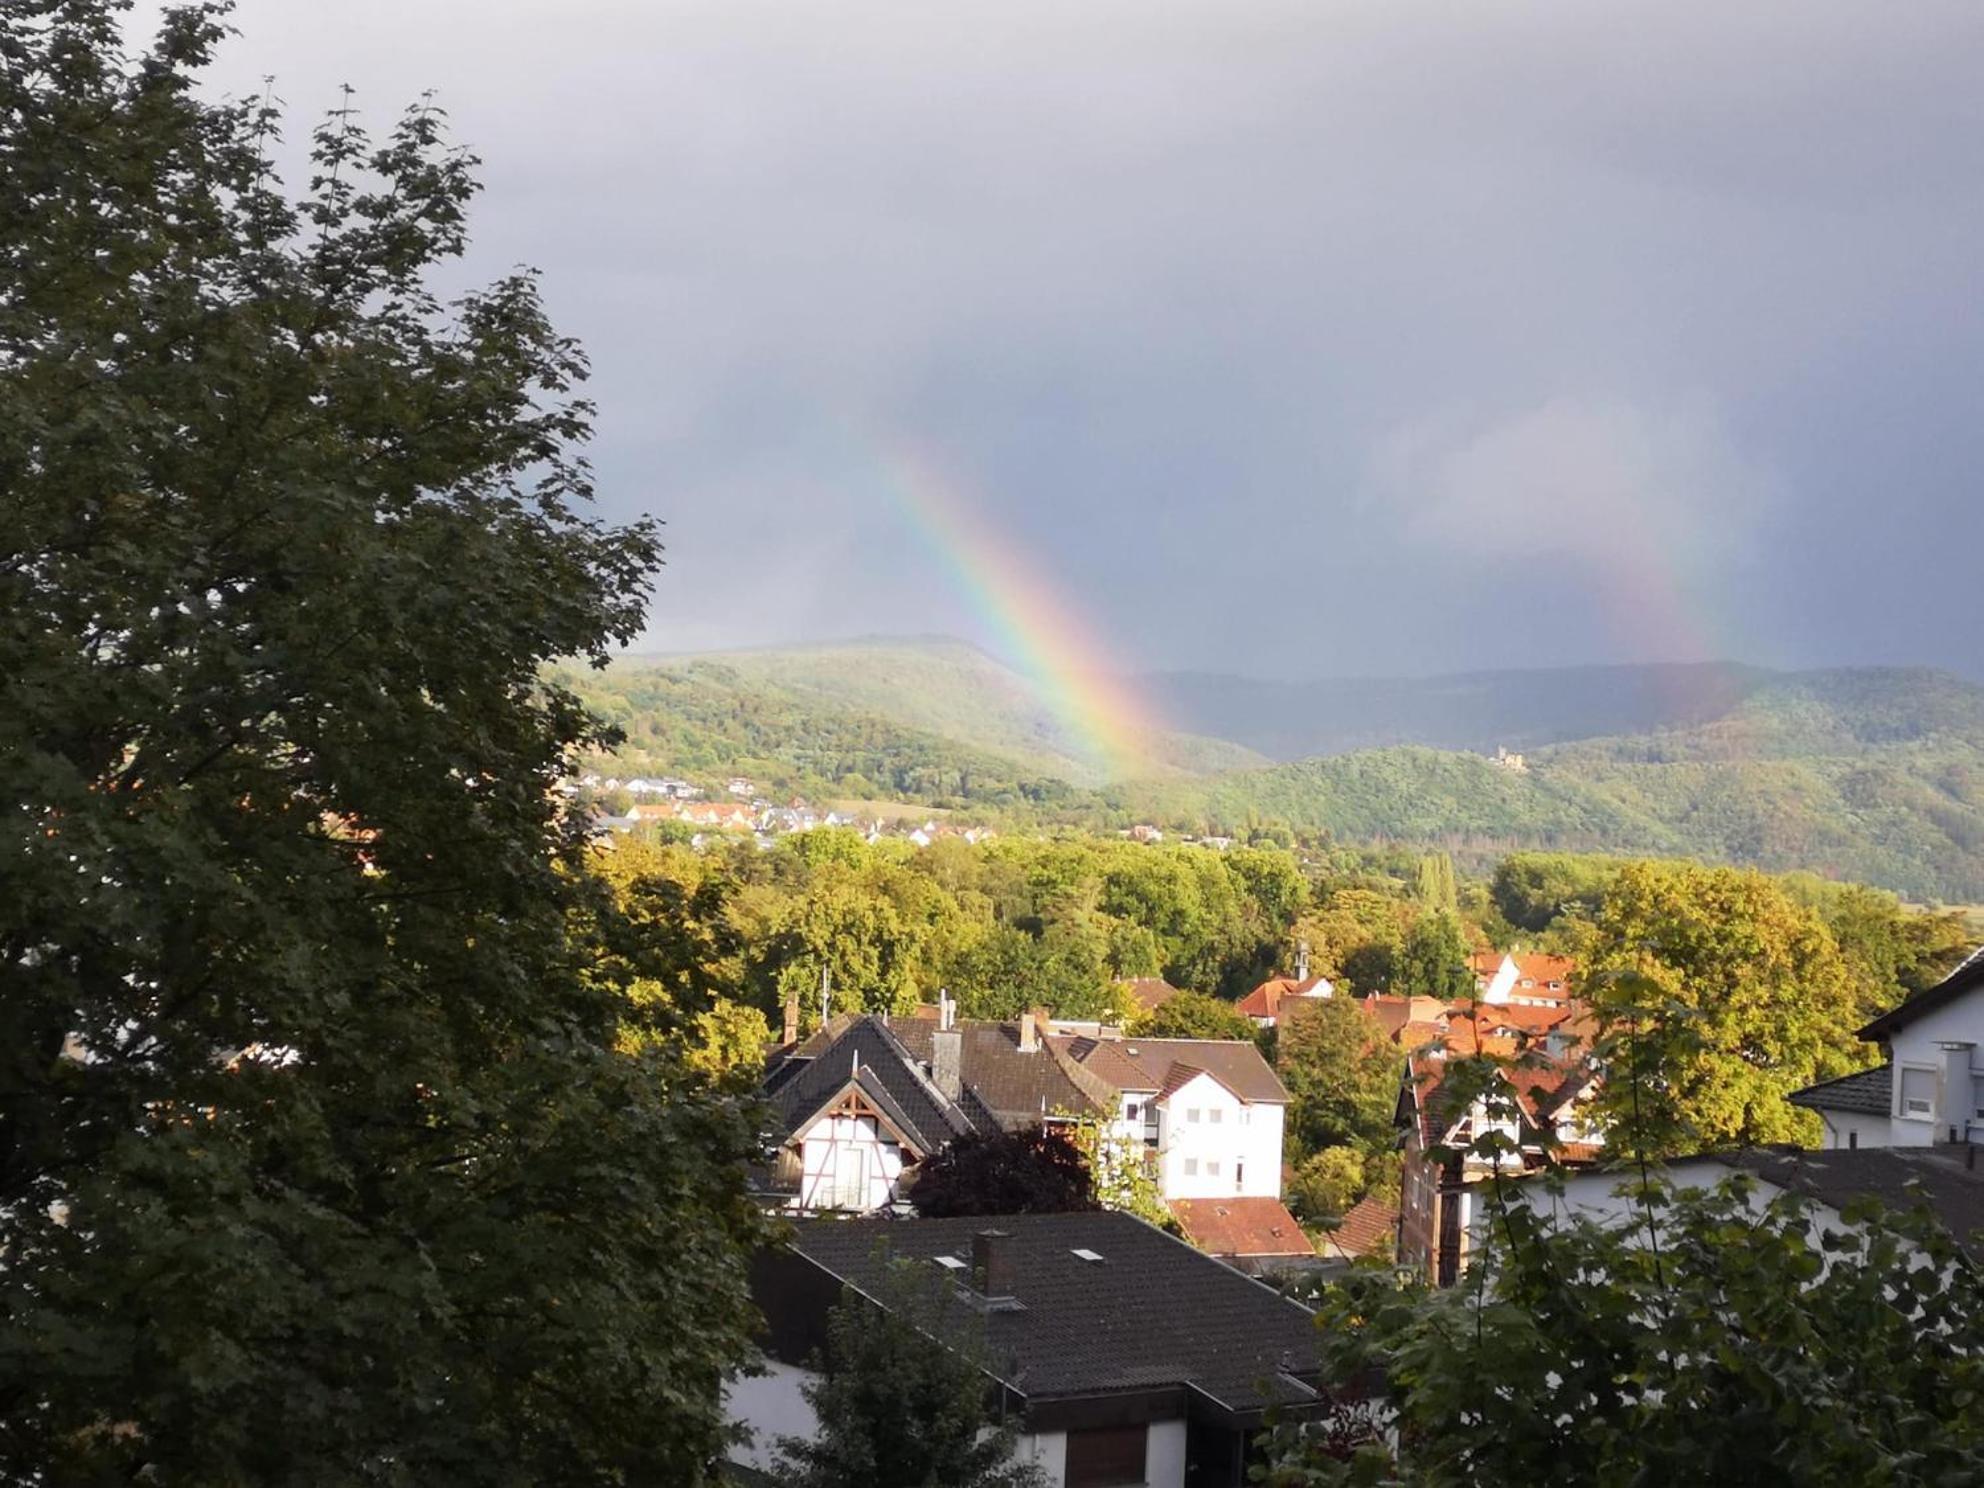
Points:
(1966, 979)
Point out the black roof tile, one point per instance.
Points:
(1152, 1313)
(1869, 1092)
(869, 1047)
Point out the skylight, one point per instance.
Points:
(1090, 1256)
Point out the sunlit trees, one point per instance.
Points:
(1723, 996)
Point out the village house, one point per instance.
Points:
(1440, 1181)
(1522, 977)
(1122, 1355)
(866, 1098)
(1208, 1116)
(1263, 1004)
(1539, 1104)
(1370, 1228)
(862, 1101)
(1929, 1088)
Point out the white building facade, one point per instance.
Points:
(1930, 1091)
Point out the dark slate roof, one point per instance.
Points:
(1153, 1313)
(868, 1046)
(1968, 977)
(1953, 1190)
(1017, 1087)
(1869, 1092)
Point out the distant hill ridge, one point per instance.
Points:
(1873, 773)
(1526, 710)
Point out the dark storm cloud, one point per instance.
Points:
(1292, 338)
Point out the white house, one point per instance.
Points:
(1209, 1111)
(1212, 1141)
(1522, 977)
(1930, 1090)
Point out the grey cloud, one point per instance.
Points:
(1166, 280)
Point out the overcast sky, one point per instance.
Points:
(1289, 339)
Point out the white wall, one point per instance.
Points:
(772, 1406)
(1915, 1046)
(847, 1163)
(1841, 1127)
(1164, 1455)
(1233, 1148)
(1048, 1449)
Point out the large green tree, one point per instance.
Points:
(1434, 961)
(1341, 1072)
(1195, 1015)
(318, 1160)
(1718, 996)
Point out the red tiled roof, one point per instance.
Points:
(1241, 1227)
(1534, 966)
(1371, 1223)
(1542, 969)
(1265, 1000)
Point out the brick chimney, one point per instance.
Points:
(992, 1264)
(791, 1018)
(947, 1062)
(1029, 1033)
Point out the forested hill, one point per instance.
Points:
(937, 721)
(1526, 710)
(1872, 774)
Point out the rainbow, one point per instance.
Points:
(1028, 618)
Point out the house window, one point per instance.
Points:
(1212, 1167)
(1191, 1113)
(1215, 1115)
(1239, 1173)
(1918, 1092)
(1109, 1457)
(1191, 1167)
(1130, 1111)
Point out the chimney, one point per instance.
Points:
(1956, 1102)
(792, 1017)
(947, 1011)
(947, 1062)
(1029, 1034)
(992, 1264)
(1302, 961)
